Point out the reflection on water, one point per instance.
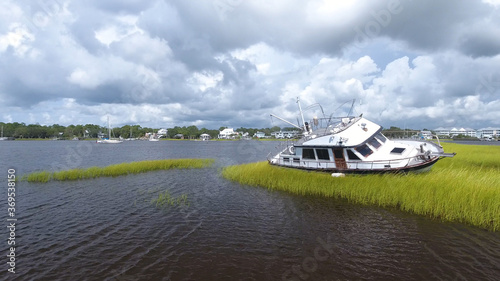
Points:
(107, 228)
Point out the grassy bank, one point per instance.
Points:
(464, 189)
(118, 169)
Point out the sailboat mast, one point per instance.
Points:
(109, 129)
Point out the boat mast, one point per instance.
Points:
(304, 126)
(109, 129)
(302, 116)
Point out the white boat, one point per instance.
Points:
(109, 140)
(354, 145)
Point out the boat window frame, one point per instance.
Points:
(308, 156)
(362, 150)
(397, 150)
(381, 137)
(324, 152)
(350, 154)
(373, 141)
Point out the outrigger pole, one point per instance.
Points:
(272, 115)
(304, 128)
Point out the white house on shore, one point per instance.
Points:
(453, 132)
(227, 133)
(489, 132)
(427, 135)
(285, 135)
(162, 133)
(259, 135)
(204, 137)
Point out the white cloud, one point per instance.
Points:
(19, 38)
(172, 61)
(123, 27)
(203, 81)
(495, 3)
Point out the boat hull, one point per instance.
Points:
(417, 168)
(109, 141)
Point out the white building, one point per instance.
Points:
(259, 135)
(227, 133)
(426, 135)
(442, 131)
(285, 135)
(489, 132)
(204, 137)
(453, 132)
(162, 133)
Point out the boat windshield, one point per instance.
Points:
(374, 142)
(364, 150)
(381, 137)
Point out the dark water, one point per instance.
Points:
(107, 229)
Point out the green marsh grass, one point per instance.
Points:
(165, 199)
(118, 169)
(464, 189)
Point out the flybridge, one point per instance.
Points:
(354, 145)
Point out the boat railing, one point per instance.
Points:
(355, 164)
(283, 147)
(326, 126)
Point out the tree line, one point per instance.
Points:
(37, 131)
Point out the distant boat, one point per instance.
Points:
(130, 137)
(2, 138)
(153, 137)
(109, 140)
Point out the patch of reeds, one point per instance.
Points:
(165, 199)
(118, 169)
(464, 189)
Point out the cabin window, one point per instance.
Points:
(381, 137)
(322, 154)
(398, 150)
(296, 160)
(364, 150)
(286, 159)
(338, 154)
(352, 155)
(308, 153)
(374, 142)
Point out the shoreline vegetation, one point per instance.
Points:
(165, 199)
(463, 189)
(117, 170)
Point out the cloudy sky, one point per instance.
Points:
(165, 63)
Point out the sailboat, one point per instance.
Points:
(2, 137)
(109, 140)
